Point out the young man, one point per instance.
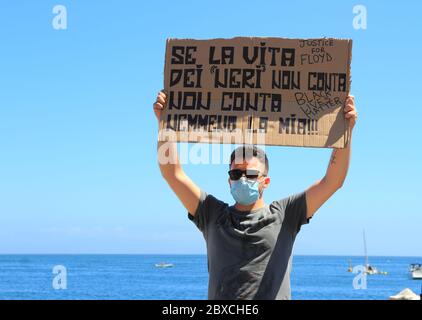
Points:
(249, 244)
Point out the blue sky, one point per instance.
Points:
(78, 168)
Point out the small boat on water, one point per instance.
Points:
(164, 265)
(416, 271)
(368, 268)
(350, 268)
(372, 270)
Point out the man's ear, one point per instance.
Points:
(266, 181)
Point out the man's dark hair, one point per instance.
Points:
(247, 152)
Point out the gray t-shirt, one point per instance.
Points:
(250, 253)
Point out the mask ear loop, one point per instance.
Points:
(260, 190)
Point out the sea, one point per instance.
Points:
(136, 277)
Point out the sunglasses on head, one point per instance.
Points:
(236, 174)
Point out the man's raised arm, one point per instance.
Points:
(171, 170)
(337, 169)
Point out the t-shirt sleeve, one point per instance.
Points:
(205, 214)
(295, 211)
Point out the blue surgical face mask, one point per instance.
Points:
(245, 191)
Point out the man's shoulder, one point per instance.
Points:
(284, 203)
(211, 201)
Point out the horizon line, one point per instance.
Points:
(205, 254)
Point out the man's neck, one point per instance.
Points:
(256, 205)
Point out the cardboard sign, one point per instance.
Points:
(270, 91)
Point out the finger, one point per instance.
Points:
(158, 106)
(349, 107)
(349, 101)
(162, 94)
(349, 104)
(161, 100)
(351, 114)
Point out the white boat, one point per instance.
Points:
(164, 265)
(368, 268)
(416, 271)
